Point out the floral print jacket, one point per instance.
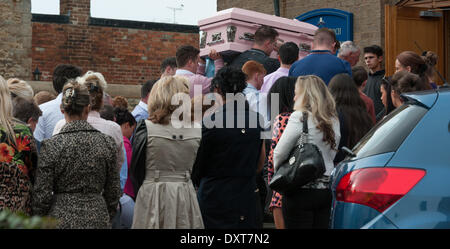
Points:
(278, 128)
(18, 160)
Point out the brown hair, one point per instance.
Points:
(265, 33)
(120, 102)
(359, 75)
(250, 68)
(160, 107)
(413, 60)
(75, 97)
(168, 62)
(43, 97)
(324, 36)
(24, 109)
(404, 81)
(186, 53)
(351, 107)
(430, 59)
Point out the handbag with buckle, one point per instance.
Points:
(304, 164)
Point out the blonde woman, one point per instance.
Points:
(96, 85)
(18, 157)
(20, 88)
(310, 206)
(166, 197)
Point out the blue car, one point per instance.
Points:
(398, 175)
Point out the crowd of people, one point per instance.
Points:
(83, 158)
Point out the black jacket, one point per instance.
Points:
(137, 167)
(270, 64)
(373, 91)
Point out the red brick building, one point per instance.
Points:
(125, 52)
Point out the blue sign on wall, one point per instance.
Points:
(338, 20)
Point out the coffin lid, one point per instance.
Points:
(261, 19)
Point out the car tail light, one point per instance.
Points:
(378, 188)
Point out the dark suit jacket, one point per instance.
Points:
(270, 64)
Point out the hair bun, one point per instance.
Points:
(69, 96)
(430, 58)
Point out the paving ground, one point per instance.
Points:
(269, 226)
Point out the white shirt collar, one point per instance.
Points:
(183, 72)
(143, 105)
(251, 87)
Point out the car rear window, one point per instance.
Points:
(389, 133)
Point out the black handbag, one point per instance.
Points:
(304, 164)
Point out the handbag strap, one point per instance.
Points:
(305, 122)
(304, 134)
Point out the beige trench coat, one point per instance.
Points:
(167, 198)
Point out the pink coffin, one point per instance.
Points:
(230, 31)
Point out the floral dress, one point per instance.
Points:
(18, 160)
(278, 128)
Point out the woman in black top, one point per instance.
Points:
(230, 154)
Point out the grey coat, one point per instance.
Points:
(77, 180)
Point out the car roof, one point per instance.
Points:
(426, 98)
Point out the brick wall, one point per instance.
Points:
(263, 6)
(15, 39)
(122, 55)
(125, 52)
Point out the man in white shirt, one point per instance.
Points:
(287, 55)
(140, 111)
(51, 111)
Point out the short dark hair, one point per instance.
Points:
(24, 109)
(186, 53)
(107, 112)
(288, 53)
(147, 87)
(359, 75)
(374, 49)
(62, 73)
(124, 116)
(264, 33)
(229, 80)
(324, 36)
(168, 62)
